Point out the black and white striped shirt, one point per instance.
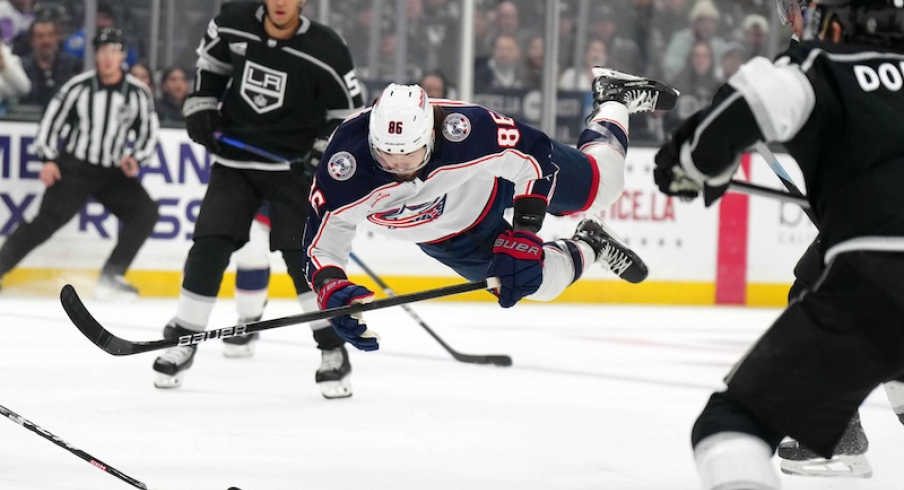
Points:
(97, 124)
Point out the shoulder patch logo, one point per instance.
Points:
(456, 127)
(264, 89)
(342, 166)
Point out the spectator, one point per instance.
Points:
(15, 18)
(506, 21)
(434, 83)
(623, 53)
(533, 63)
(756, 28)
(503, 70)
(47, 67)
(639, 26)
(704, 19)
(734, 56)
(142, 73)
(75, 45)
(697, 83)
(173, 90)
(14, 82)
(594, 55)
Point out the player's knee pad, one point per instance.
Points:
(725, 413)
(207, 259)
(611, 166)
(735, 461)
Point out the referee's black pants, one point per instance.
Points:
(123, 196)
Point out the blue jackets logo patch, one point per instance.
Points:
(342, 166)
(456, 127)
(409, 216)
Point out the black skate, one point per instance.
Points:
(171, 366)
(849, 460)
(622, 261)
(114, 288)
(242, 346)
(333, 374)
(639, 94)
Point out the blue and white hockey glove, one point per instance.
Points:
(518, 263)
(352, 328)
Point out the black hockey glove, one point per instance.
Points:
(672, 179)
(306, 166)
(203, 121)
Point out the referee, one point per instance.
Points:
(93, 137)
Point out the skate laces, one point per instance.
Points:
(641, 100)
(178, 355)
(331, 360)
(617, 259)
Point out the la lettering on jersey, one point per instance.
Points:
(456, 190)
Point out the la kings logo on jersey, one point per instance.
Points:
(264, 89)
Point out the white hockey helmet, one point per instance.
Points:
(401, 122)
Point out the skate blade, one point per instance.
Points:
(238, 351)
(168, 381)
(837, 467)
(335, 389)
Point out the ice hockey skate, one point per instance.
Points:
(114, 288)
(639, 94)
(609, 249)
(333, 374)
(171, 366)
(849, 460)
(242, 346)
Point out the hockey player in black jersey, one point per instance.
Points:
(836, 102)
(274, 79)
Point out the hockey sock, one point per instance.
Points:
(724, 413)
(206, 262)
(194, 310)
(251, 291)
(734, 460)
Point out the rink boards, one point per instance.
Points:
(742, 250)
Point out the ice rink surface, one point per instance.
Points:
(599, 397)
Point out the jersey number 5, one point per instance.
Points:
(507, 135)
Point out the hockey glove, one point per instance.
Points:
(202, 121)
(518, 263)
(672, 179)
(351, 328)
(306, 166)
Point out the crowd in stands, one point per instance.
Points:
(42, 47)
(693, 44)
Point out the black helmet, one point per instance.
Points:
(108, 35)
(873, 22)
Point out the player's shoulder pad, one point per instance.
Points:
(461, 120)
(325, 33)
(238, 15)
(348, 171)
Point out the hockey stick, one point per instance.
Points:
(116, 346)
(65, 445)
(496, 359)
(789, 184)
(755, 190)
(253, 149)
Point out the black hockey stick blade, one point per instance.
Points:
(111, 344)
(495, 359)
(755, 190)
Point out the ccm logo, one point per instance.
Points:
(213, 334)
(889, 75)
(517, 246)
